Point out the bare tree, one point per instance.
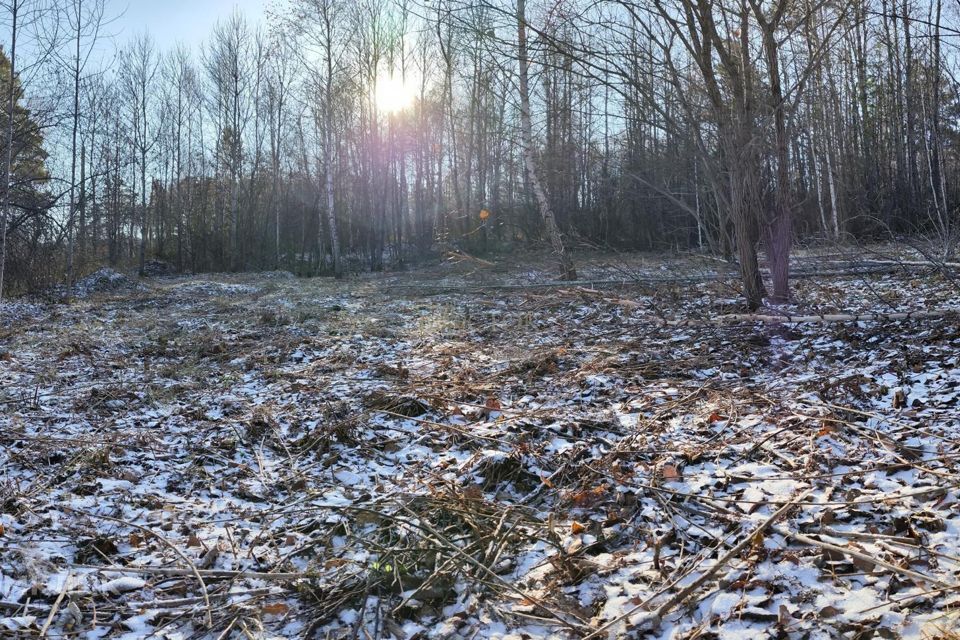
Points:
(14, 9)
(84, 19)
(567, 271)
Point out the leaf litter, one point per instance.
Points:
(242, 456)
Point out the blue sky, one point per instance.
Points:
(172, 21)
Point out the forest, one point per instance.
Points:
(341, 137)
(480, 319)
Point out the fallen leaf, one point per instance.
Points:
(276, 609)
(670, 472)
(491, 406)
(590, 497)
(473, 492)
(783, 616)
(335, 562)
(577, 527)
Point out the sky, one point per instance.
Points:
(172, 21)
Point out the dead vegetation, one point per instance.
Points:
(283, 458)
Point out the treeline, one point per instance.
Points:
(363, 134)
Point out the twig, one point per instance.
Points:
(184, 602)
(910, 573)
(206, 573)
(193, 568)
(56, 606)
(653, 621)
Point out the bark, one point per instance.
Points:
(5, 170)
(328, 147)
(73, 147)
(567, 270)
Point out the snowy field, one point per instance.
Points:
(265, 457)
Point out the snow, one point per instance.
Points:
(123, 585)
(194, 414)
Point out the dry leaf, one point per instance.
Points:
(783, 616)
(335, 562)
(209, 558)
(276, 609)
(670, 472)
(899, 398)
(193, 540)
(577, 527)
(491, 406)
(590, 497)
(473, 492)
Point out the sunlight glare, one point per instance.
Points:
(393, 95)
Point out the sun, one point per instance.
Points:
(393, 95)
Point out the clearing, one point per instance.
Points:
(412, 457)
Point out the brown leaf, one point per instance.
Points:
(899, 398)
(590, 497)
(335, 562)
(193, 540)
(783, 616)
(492, 405)
(576, 527)
(276, 609)
(473, 492)
(863, 564)
(136, 539)
(670, 472)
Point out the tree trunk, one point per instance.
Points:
(567, 270)
(8, 155)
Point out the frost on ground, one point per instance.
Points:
(224, 457)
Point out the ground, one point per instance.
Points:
(462, 453)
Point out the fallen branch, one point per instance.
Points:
(653, 620)
(185, 602)
(461, 255)
(863, 557)
(193, 567)
(56, 607)
(206, 573)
